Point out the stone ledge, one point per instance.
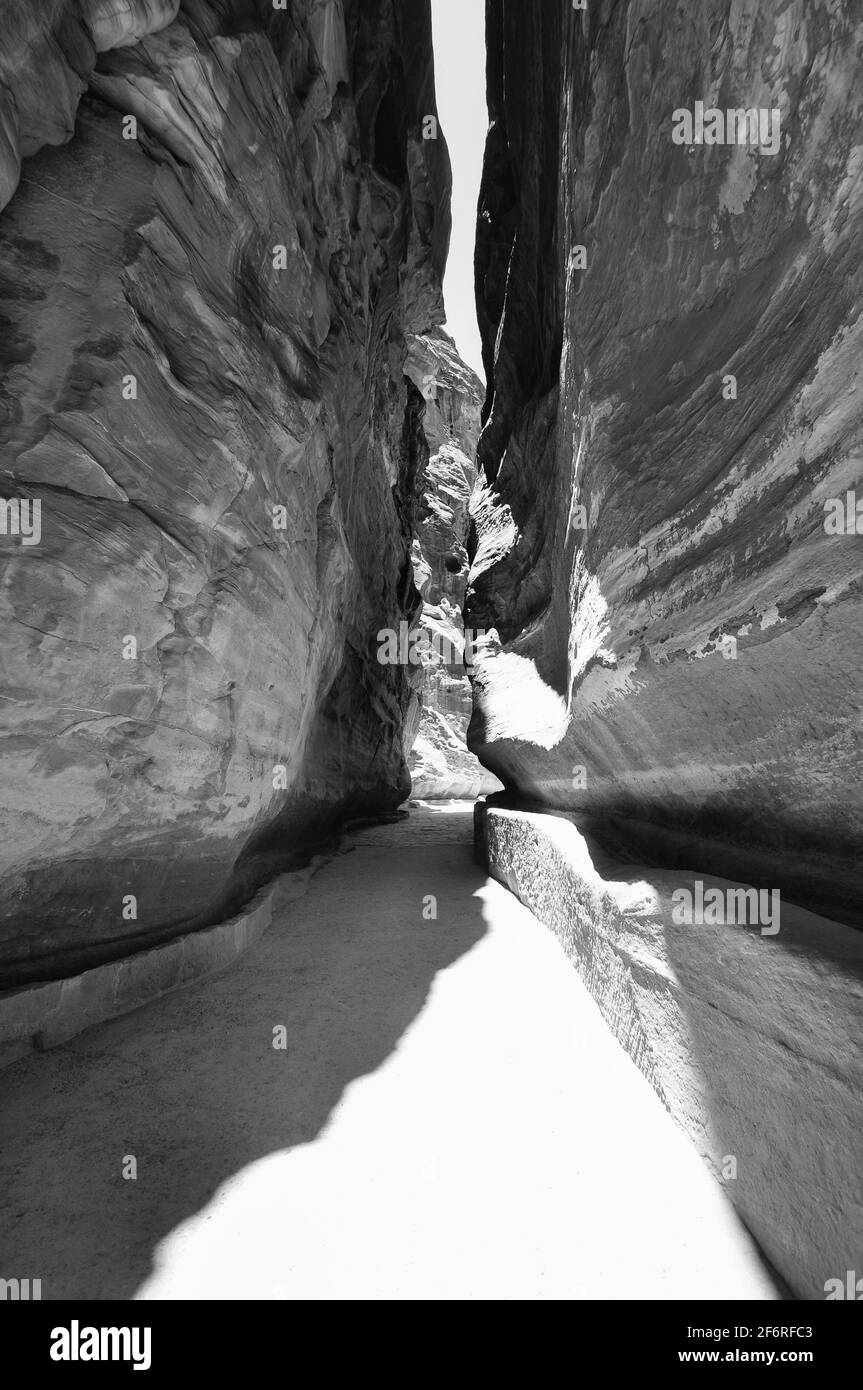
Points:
(748, 1039)
(41, 1016)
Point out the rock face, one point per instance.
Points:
(48, 53)
(743, 1034)
(666, 560)
(205, 296)
(673, 430)
(440, 764)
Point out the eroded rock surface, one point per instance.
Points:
(682, 658)
(440, 764)
(203, 348)
(47, 54)
(744, 1033)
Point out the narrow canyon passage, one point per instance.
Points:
(449, 1118)
(431, 501)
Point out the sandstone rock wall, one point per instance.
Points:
(204, 312)
(440, 764)
(746, 1036)
(676, 645)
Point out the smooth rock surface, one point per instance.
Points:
(252, 714)
(682, 659)
(750, 1040)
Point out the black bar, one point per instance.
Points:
(252, 1340)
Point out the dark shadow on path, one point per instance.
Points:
(192, 1086)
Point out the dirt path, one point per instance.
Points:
(450, 1118)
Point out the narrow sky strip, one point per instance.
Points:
(459, 41)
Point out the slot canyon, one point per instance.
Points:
(431, 806)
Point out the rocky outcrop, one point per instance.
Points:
(665, 553)
(47, 56)
(206, 290)
(440, 764)
(743, 1032)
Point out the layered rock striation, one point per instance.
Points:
(667, 550)
(667, 563)
(225, 224)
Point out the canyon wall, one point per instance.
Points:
(221, 221)
(665, 551)
(440, 764)
(667, 564)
